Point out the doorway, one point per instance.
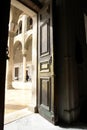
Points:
(22, 46)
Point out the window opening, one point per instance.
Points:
(20, 27)
(29, 23)
(16, 73)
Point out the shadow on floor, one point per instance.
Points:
(80, 124)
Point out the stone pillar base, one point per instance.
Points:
(71, 115)
(9, 86)
(33, 108)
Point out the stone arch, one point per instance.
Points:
(17, 52)
(13, 21)
(28, 48)
(17, 61)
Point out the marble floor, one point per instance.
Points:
(36, 122)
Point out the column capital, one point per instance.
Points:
(24, 52)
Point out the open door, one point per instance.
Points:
(45, 63)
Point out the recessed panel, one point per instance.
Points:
(45, 92)
(44, 39)
(44, 66)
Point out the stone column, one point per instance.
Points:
(33, 105)
(24, 24)
(10, 62)
(9, 68)
(24, 65)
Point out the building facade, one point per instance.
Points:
(20, 49)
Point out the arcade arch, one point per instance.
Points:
(17, 61)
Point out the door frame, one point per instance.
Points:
(33, 105)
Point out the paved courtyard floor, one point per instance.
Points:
(36, 122)
(17, 101)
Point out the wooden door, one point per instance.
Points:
(45, 63)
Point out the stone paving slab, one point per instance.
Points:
(17, 99)
(35, 122)
(16, 103)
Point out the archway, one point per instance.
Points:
(20, 51)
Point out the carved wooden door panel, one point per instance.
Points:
(45, 63)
